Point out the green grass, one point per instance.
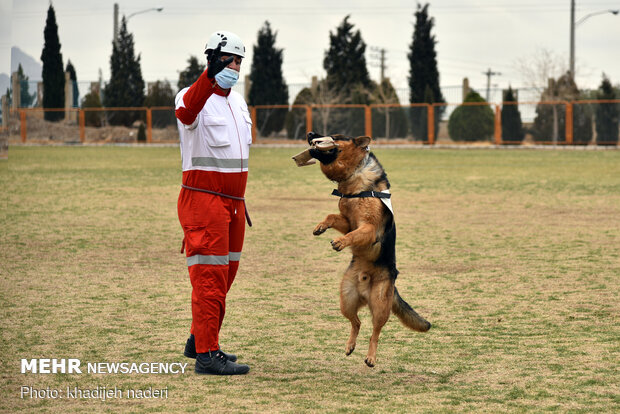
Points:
(513, 255)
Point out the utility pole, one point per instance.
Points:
(572, 40)
(381, 58)
(488, 74)
(382, 64)
(115, 23)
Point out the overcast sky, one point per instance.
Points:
(472, 35)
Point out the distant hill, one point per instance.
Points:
(4, 83)
(32, 67)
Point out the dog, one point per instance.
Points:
(367, 223)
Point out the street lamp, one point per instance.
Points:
(144, 11)
(573, 26)
(158, 9)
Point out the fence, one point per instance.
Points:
(562, 123)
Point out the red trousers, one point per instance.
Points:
(214, 228)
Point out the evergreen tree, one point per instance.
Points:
(53, 74)
(92, 118)
(388, 122)
(512, 126)
(607, 115)
(472, 122)
(73, 77)
(25, 98)
(126, 86)
(267, 84)
(423, 74)
(141, 133)
(296, 118)
(347, 81)
(191, 73)
(161, 94)
(345, 63)
(550, 122)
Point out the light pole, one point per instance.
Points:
(158, 9)
(573, 26)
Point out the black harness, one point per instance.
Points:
(363, 194)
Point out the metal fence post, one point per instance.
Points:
(308, 119)
(498, 125)
(22, 118)
(368, 120)
(569, 123)
(82, 122)
(430, 116)
(253, 115)
(149, 125)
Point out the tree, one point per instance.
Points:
(73, 77)
(423, 74)
(141, 133)
(25, 98)
(512, 126)
(607, 115)
(92, 118)
(550, 122)
(267, 84)
(191, 73)
(323, 119)
(126, 86)
(389, 121)
(472, 122)
(344, 61)
(296, 118)
(347, 80)
(161, 94)
(52, 73)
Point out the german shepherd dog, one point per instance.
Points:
(367, 225)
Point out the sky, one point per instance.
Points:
(472, 35)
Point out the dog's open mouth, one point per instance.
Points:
(323, 149)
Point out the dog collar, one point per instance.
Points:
(363, 194)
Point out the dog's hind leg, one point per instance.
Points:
(380, 304)
(350, 302)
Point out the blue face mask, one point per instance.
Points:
(227, 78)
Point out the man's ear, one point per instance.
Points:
(362, 141)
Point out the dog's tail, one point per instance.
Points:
(407, 315)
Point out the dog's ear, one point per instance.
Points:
(362, 141)
(312, 135)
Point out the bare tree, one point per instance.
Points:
(538, 68)
(324, 96)
(539, 72)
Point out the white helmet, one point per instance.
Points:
(231, 43)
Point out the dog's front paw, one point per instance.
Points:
(339, 244)
(320, 229)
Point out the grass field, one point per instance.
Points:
(514, 256)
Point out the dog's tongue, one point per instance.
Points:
(322, 144)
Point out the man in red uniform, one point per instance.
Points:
(215, 132)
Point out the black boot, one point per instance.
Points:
(216, 363)
(190, 350)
